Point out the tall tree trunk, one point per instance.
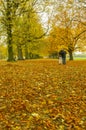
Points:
(10, 53)
(26, 52)
(20, 54)
(9, 32)
(9, 43)
(70, 55)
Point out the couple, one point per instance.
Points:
(62, 57)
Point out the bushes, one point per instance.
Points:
(34, 56)
(53, 55)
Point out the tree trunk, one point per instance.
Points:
(10, 53)
(9, 32)
(26, 52)
(9, 43)
(20, 54)
(70, 55)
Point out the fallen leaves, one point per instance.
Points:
(42, 95)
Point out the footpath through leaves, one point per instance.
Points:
(42, 95)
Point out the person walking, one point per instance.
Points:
(63, 55)
(60, 59)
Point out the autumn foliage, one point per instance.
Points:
(42, 95)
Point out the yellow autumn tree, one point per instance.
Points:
(67, 28)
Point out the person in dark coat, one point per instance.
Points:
(62, 53)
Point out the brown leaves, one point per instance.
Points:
(40, 94)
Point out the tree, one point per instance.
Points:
(66, 31)
(21, 10)
(8, 9)
(27, 31)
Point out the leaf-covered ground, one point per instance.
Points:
(42, 95)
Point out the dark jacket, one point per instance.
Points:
(62, 53)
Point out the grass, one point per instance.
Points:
(79, 58)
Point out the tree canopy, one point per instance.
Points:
(27, 26)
